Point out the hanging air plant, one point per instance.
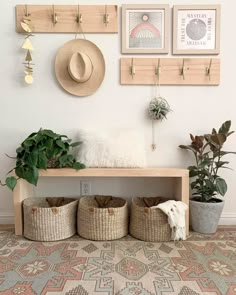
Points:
(158, 108)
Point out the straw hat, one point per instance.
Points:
(80, 67)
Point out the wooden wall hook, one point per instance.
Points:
(158, 69)
(173, 71)
(66, 18)
(26, 13)
(182, 71)
(54, 16)
(106, 18)
(208, 69)
(132, 68)
(79, 18)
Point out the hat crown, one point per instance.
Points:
(80, 67)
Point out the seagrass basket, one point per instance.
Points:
(148, 224)
(104, 224)
(45, 222)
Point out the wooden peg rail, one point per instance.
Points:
(172, 71)
(69, 18)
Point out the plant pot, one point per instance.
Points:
(204, 217)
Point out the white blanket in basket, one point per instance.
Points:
(175, 210)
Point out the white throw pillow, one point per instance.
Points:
(112, 148)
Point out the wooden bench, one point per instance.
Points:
(180, 177)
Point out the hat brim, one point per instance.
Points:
(61, 67)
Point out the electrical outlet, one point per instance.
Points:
(85, 188)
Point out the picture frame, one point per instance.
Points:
(196, 29)
(145, 28)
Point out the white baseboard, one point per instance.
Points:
(6, 218)
(228, 219)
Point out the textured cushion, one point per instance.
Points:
(112, 148)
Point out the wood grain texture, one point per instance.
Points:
(22, 191)
(115, 172)
(195, 71)
(92, 18)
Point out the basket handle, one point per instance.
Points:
(54, 210)
(110, 211)
(91, 210)
(34, 209)
(146, 211)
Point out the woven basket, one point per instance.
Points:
(45, 223)
(102, 224)
(148, 224)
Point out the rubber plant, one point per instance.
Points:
(208, 154)
(41, 150)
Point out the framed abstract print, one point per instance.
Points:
(145, 28)
(196, 29)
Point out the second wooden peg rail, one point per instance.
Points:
(170, 71)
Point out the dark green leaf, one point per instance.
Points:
(192, 167)
(187, 147)
(19, 149)
(60, 144)
(193, 173)
(31, 175)
(49, 133)
(221, 186)
(78, 166)
(19, 171)
(74, 144)
(32, 135)
(11, 182)
(225, 127)
(214, 131)
(231, 132)
(32, 158)
(220, 164)
(63, 160)
(223, 153)
(42, 161)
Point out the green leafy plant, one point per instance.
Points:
(41, 150)
(208, 155)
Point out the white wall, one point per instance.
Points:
(25, 109)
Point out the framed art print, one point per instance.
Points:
(145, 28)
(196, 29)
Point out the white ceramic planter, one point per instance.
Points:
(204, 217)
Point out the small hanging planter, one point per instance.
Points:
(158, 107)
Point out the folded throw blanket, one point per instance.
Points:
(175, 210)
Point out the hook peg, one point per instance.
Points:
(208, 70)
(27, 14)
(132, 68)
(158, 69)
(54, 16)
(106, 18)
(182, 71)
(79, 18)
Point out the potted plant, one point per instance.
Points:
(207, 186)
(41, 150)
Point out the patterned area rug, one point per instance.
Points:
(201, 265)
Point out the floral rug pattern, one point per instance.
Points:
(204, 264)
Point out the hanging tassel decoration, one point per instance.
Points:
(27, 45)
